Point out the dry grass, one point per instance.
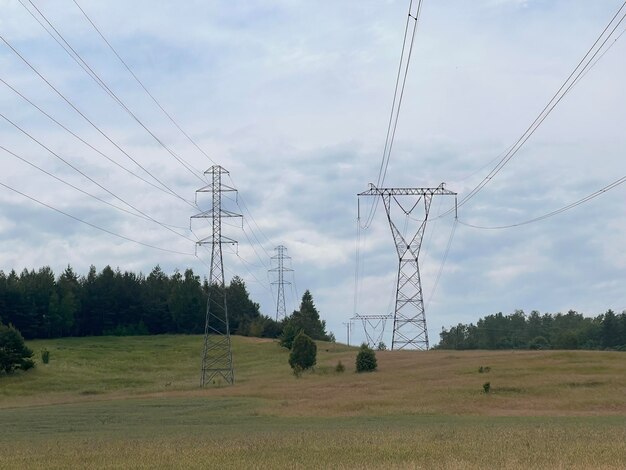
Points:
(135, 403)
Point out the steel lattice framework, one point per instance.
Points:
(373, 327)
(280, 269)
(217, 356)
(409, 317)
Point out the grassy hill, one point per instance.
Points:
(135, 402)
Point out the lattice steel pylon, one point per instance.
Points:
(409, 317)
(280, 257)
(373, 327)
(217, 355)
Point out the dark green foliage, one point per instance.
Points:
(487, 387)
(13, 352)
(539, 342)
(290, 330)
(381, 346)
(128, 330)
(535, 331)
(484, 369)
(340, 368)
(366, 359)
(303, 353)
(45, 356)
(264, 327)
(306, 319)
(122, 303)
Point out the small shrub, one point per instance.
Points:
(45, 356)
(303, 353)
(340, 368)
(382, 346)
(487, 387)
(484, 369)
(366, 359)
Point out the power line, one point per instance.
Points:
(100, 131)
(589, 197)
(123, 237)
(62, 126)
(398, 94)
(67, 183)
(169, 116)
(443, 262)
(567, 85)
(82, 173)
(94, 76)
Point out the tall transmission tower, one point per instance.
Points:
(217, 356)
(280, 257)
(409, 316)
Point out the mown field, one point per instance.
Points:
(134, 402)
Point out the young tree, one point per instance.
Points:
(13, 352)
(366, 359)
(306, 319)
(303, 353)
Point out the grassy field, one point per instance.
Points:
(135, 403)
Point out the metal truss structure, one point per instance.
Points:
(373, 327)
(409, 317)
(217, 356)
(280, 269)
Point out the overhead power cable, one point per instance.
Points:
(443, 263)
(574, 77)
(127, 67)
(85, 175)
(67, 183)
(76, 57)
(589, 197)
(398, 94)
(76, 136)
(100, 131)
(123, 237)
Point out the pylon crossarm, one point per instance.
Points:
(438, 191)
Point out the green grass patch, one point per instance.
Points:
(135, 402)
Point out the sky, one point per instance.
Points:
(293, 99)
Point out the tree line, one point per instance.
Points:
(40, 305)
(572, 330)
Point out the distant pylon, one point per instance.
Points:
(409, 317)
(373, 327)
(280, 257)
(217, 356)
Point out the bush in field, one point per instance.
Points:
(487, 387)
(303, 353)
(340, 368)
(45, 356)
(13, 352)
(366, 359)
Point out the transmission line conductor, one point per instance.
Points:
(217, 357)
(409, 316)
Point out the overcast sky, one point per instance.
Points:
(293, 98)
